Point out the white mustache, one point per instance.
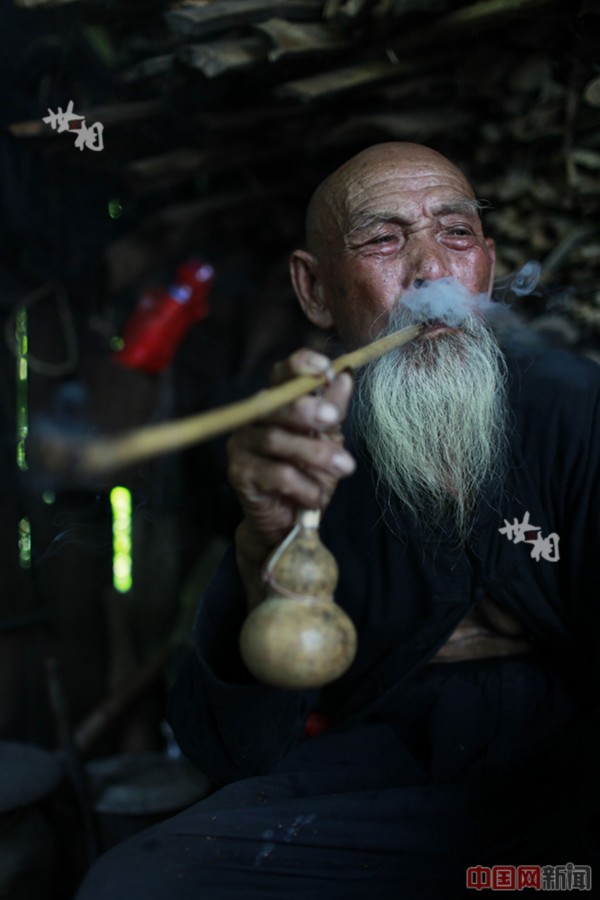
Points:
(432, 416)
(443, 300)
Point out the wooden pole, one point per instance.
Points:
(102, 455)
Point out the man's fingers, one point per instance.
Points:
(323, 412)
(302, 362)
(308, 453)
(292, 458)
(308, 413)
(339, 392)
(253, 477)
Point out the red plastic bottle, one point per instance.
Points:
(163, 316)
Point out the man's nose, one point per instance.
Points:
(430, 261)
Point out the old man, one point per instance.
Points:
(460, 498)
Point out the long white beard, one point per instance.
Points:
(433, 417)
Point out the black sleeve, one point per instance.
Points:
(582, 518)
(559, 408)
(226, 722)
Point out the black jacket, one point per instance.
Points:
(406, 589)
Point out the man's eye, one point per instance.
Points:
(460, 230)
(383, 238)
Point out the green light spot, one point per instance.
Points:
(120, 501)
(24, 543)
(102, 41)
(116, 343)
(21, 387)
(21, 458)
(115, 208)
(48, 497)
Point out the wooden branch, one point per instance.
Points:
(481, 17)
(351, 9)
(488, 12)
(412, 125)
(147, 68)
(338, 81)
(201, 21)
(107, 454)
(293, 39)
(100, 719)
(220, 57)
(331, 8)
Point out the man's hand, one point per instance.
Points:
(291, 459)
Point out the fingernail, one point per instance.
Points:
(315, 363)
(327, 413)
(343, 463)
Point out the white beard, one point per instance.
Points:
(433, 417)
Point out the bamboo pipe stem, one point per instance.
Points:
(102, 455)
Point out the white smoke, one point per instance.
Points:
(447, 300)
(444, 300)
(522, 283)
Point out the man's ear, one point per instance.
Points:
(492, 251)
(307, 283)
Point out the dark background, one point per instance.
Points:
(218, 125)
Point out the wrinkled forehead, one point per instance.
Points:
(410, 189)
(398, 179)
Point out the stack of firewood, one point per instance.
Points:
(251, 102)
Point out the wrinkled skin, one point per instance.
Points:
(393, 214)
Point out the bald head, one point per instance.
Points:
(325, 212)
(394, 215)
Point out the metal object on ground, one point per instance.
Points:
(28, 855)
(132, 791)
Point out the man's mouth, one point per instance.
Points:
(433, 327)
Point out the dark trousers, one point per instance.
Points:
(464, 773)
